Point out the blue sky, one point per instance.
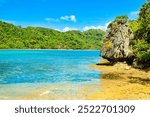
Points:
(66, 15)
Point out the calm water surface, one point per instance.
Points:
(21, 68)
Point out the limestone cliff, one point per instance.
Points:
(116, 42)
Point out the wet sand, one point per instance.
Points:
(118, 82)
(121, 82)
(55, 91)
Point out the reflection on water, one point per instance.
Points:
(25, 71)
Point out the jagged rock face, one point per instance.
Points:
(116, 43)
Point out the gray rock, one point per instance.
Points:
(116, 42)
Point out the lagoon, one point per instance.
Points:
(23, 71)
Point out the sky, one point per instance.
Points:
(65, 15)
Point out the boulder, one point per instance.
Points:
(116, 44)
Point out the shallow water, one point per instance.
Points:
(23, 72)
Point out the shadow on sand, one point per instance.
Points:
(145, 81)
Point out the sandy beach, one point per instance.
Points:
(56, 91)
(122, 82)
(118, 82)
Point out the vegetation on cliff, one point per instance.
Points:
(123, 35)
(15, 37)
(117, 40)
(141, 29)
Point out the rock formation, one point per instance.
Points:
(116, 42)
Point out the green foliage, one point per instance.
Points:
(142, 50)
(141, 28)
(141, 45)
(144, 19)
(143, 56)
(118, 19)
(96, 35)
(15, 37)
(134, 25)
(123, 17)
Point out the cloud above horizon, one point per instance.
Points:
(133, 15)
(65, 18)
(102, 27)
(68, 29)
(69, 18)
(52, 19)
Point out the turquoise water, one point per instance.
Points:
(47, 66)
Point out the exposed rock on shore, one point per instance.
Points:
(121, 82)
(116, 43)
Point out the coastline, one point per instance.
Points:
(122, 82)
(47, 91)
(73, 89)
(53, 49)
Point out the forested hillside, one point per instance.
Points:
(15, 37)
(141, 29)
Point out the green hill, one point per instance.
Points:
(16, 37)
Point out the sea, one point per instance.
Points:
(24, 71)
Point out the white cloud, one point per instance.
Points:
(133, 15)
(73, 18)
(102, 27)
(69, 18)
(52, 19)
(66, 18)
(58, 29)
(68, 29)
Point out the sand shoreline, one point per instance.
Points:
(121, 82)
(52, 49)
(48, 91)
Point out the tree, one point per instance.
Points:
(144, 19)
(16, 37)
(142, 35)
